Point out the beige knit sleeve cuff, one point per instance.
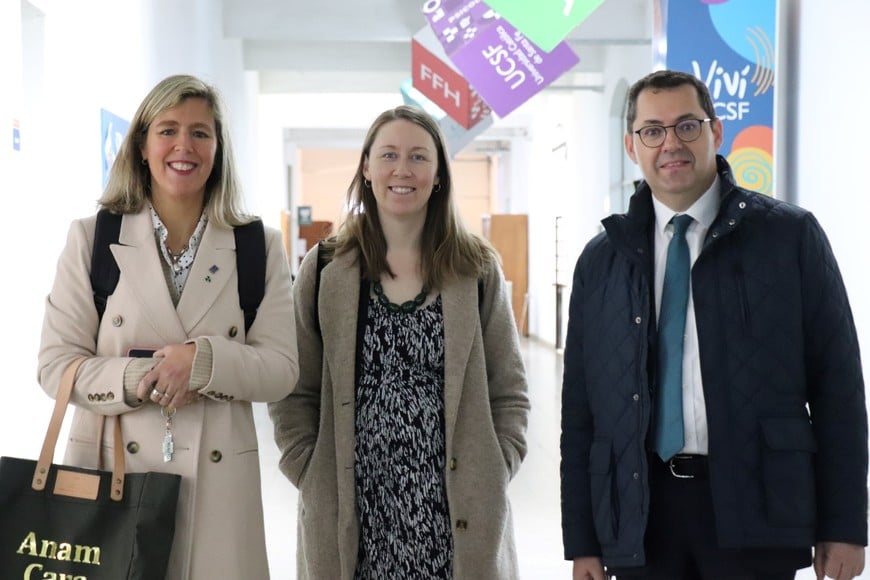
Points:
(200, 374)
(133, 373)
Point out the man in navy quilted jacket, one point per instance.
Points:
(713, 415)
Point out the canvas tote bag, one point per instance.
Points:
(70, 523)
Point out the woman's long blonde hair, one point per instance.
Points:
(129, 184)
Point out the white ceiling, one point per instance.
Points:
(364, 45)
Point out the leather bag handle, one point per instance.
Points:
(46, 456)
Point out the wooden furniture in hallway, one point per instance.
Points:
(509, 234)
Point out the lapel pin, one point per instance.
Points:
(213, 268)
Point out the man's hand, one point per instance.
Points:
(588, 569)
(837, 560)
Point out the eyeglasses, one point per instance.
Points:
(686, 131)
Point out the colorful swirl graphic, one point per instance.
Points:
(751, 158)
(753, 169)
(763, 75)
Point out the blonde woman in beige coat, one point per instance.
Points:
(174, 184)
(409, 418)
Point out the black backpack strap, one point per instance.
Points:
(324, 256)
(251, 268)
(480, 293)
(104, 269)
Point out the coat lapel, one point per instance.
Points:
(138, 260)
(210, 272)
(459, 301)
(338, 311)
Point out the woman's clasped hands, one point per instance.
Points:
(168, 381)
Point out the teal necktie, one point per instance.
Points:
(672, 327)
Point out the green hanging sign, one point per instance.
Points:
(545, 22)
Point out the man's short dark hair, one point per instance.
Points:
(667, 79)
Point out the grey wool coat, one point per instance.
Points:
(486, 413)
(219, 521)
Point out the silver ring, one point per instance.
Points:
(165, 394)
(156, 392)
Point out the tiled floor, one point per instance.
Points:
(534, 492)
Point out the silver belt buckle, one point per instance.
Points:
(674, 473)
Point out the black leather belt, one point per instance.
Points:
(684, 466)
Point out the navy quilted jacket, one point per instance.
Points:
(781, 372)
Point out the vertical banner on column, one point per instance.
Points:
(730, 46)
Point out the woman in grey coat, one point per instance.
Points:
(410, 414)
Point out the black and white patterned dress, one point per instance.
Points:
(399, 450)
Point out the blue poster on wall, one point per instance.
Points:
(16, 135)
(113, 130)
(730, 46)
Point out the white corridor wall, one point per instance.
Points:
(83, 57)
(833, 143)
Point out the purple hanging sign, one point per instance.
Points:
(501, 63)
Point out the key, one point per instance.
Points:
(168, 442)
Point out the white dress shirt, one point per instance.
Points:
(703, 212)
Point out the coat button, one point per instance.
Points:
(234, 330)
(110, 396)
(132, 447)
(461, 525)
(91, 398)
(732, 222)
(117, 320)
(742, 205)
(638, 320)
(452, 464)
(635, 397)
(216, 456)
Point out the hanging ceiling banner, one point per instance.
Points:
(456, 135)
(504, 66)
(545, 22)
(730, 47)
(437, 78)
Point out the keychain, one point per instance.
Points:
(168, 444)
